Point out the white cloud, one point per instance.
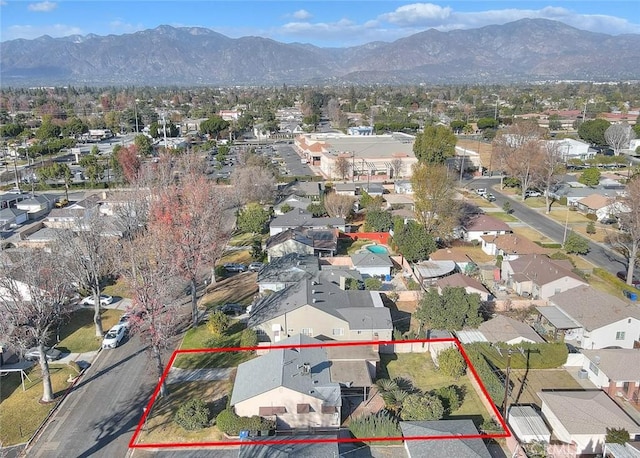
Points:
(417, 13)
(42, 7)
(117, 27)
(29, 32)
(302, 15)
(3, 3)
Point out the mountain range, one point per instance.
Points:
(527, 50)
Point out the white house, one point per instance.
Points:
(12, 217)
(372, 264)
(615, 370)
(481, 225)
(582, 418)
(572, 149)
(592, 319)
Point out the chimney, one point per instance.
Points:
(343, 283)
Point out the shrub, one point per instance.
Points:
(192, 415)
(218, 323)
(541, 356)
(248, 338)
(486, 373)
(576, 244)
(424, 406)
(451, 363)
(229, 423)
(451, 397)
(380, 424)
(372, 284)
(592, 217)
(591, 227)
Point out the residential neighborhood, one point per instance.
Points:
(298, 287)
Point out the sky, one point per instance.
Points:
(325, 23)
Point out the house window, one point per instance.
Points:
(593, 368)
(303, 408)
(307, 332)
(620, 335)
(337, 332)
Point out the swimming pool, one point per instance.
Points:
(377, 249)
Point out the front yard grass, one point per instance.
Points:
(118, 289)
(506, 217)
(239, 288)
(78, 335)
(247, 239)
(201, 337)
(160, 427)
(419, 368)
(20, 411)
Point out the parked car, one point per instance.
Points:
(51, 353)
(490, 197)
(622, 275)
(481, 192)
(235, 267)
(125, 320)
(62, 202)
(104, 300)
(255, 266)
(114, 336)
(232, 309)
(532, 193)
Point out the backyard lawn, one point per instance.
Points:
(20, 411)
(419, 368)
(160, 427)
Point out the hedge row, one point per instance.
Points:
(230, 423)
(540, 356)
(486, 373)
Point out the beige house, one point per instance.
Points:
(324, 309)
(509, 246)
(470, 285)
(292, 385)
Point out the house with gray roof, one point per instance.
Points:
(287, 270)
(321, 308)
(302, 218)
(303, 241)
(539, 276)
(458, 448)
(504, 329)
(37, 206)
(582, 418)
(372, 264)
(592, 319)
(295, 202)
(292, 384)
(615, 370)
(11, 218)
(311, 189)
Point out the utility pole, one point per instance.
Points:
(505, 402)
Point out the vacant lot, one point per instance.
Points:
(526, 385)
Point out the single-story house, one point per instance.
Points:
(570, 148)
(507, 330)
(323, 309)
(287, 270)
(582, 418)
(592, 203)
(615, 370)
(37, 206)
(592, 319)
(538, 276)
(295, 202)
(460, 258)
(301, 240)
(373, 189)
(302, 218)
(294, 385)
(403, 187)
(345, 189)
(458, 448)
(509, 246)
(481, 225)
(311, 189)
(12, 217)
(470, 285)
(396, 201)
(372, 264)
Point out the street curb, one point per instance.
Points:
(57, 406)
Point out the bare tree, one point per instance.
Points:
(435, 205)
(618, 137)
(338, 205)
(627, 240)
(549, 172)
(88, 258)
(193, 219)
(397, 164)
(334, 111)
(519, 150)
(154, 314)
(33, 302)
(342, 166)
(253, 184)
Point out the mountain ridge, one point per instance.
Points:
(524, 50)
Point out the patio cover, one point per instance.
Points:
(557, 317)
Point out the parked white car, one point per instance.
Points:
(104, 300)
(114, 336)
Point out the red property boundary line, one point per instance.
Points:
(132, 443)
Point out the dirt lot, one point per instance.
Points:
(484, 149)
(535, 381)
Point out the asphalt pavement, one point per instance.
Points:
(599, 254)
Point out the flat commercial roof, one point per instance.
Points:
(369, 146)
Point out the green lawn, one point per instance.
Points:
(119, 289)
(419, 368)
(20, 411)
(78, 335)
(246, 239)
(200, 337)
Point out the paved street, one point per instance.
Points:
(598, 254)
(100, 415)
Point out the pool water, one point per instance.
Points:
(377, 249)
